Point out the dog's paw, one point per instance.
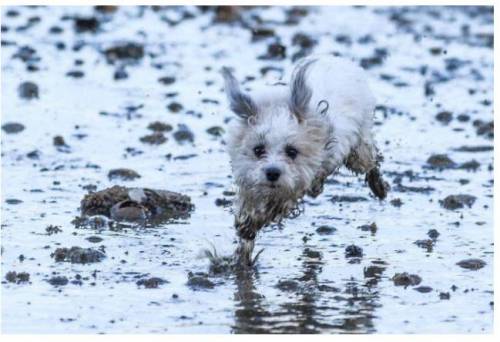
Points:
(378, 186)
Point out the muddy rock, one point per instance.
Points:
(425, 243)
(433, 234)
(453, 202)
(28, 90)
(353, 251)
(156, 203)
(396, 202)
(406, 279)
(156, 138)
(440, 162)
(369, 227)
(275, 51)
(123, 174)
(18, 278)
(444, 295)
(444, 117)
(423, 289)
(159, 126)
(77, 255)
(325, 230)
(216, 131)
(12, 128)
(167, 80)
(183, 134)
(485, 129)
(223, 202)
(199, 281)
(58, 281)
(472, 264)
(373, 271)
(124, 52)
(261, 33)
(86, 24)
(471, 165)
(347, 199)
(129, 211)
(151, 283)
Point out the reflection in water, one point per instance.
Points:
(315, 308)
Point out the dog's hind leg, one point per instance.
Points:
(365, 159)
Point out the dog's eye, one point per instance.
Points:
(259, 151)
(291, 152)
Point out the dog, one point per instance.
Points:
(288, 138)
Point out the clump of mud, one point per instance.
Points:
(453, 202)
(472, 264)
(18, 278)
(406, 279)
(77, 255)
(130, 204)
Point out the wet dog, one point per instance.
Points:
(289, 138)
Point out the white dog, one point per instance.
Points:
(289, 139)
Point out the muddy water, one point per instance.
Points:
(431, 70)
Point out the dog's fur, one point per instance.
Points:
(325, 115)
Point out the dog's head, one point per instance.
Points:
(277, 145)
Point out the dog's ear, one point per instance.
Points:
(300, 93)
(240, 103)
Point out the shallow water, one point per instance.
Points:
(303, 281)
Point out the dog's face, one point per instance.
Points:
(275, 149)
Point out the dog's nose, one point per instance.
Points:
(272, 174)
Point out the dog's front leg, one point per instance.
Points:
(247, 230)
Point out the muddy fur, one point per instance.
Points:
(301, 134)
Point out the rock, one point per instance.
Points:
(309, 253)
(396, 202)
(453, 202)
(199, 281)
(216, 131)
(58, 141)
(444, 295)
(58, 281)
(471, 165)
(406, 279)
(120, 73)
(14, 277)
(348, 199)
(94, 239)
(474, 149)
(373, 271)
(175, 107)
(123, 174)
(223, 202)
(426, 243)
(433, 234)
(444, 117)
(126, 52)
(369, 227)
(377, 59)
(353, 251)
(486, 129)
(86, 24)
(13, 201)
(77, 255)
(157, 203)
(75, 73)
(156, 138)
(472, 264)
(260, 33)
(423, 289)
(28, 90)
(440, 162)
(275, 51)
(167, 80)
(151, 283)
(13, 127)
(288, 285)
(107, 9)
(325, 230)
(158, 126)
(52, 229)
(183, 134)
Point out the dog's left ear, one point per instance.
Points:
(241, 104)
(300, 93)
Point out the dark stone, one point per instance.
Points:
(156, 138)
(183, 134)
(75, 74)
(261, 33)
(13, 127)
(175, 107)
(223, 202)
(325, 230)
(151, 283)
(86, 24)
(28, 90)
(406, 279)
(158, 126)
(423, 289)
(275, 51)
(167, 80)
(13, 201)
(433, 234)
(348, 199)
(14, 277)
(353, 251)
(123, 174)
(444, 295)
(440, 162)
(288, 285)
(199, 281)
(472, 264)
(453, 202)
(474, 149)
(444, 117)
(216, 131)
(94, 239)
(58, 281)
(128, 52)
(77, 255)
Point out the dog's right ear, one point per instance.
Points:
(240, 103)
